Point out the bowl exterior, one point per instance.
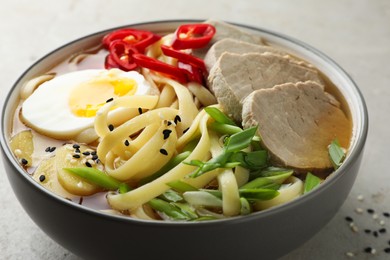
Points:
(94, 235)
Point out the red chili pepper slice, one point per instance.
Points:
(139, 39)
(109, 63)
(193, 73)
(159, 66)
(183, 57)
(193, 36)
(121, 54)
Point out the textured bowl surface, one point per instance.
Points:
(262, 235)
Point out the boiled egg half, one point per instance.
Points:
(67, 105)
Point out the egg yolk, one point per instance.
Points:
(87, 98)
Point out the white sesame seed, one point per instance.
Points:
(350, 254)
(69, 147)
(359, 210)
(73, 161)
(18, 152)
(382, 222)
(68, 157)
(161, 115)
(360, 197)
(353, 227)
(375, 216)
(128, 154)
(92, 162)
(373, 251)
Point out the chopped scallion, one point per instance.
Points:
(171, 196)
(219, 116)
(245, 206)
(225, 128)
(168, 209)
(181, 186)
(311, 182)
(239, 141)
(258, 194)
(336, 153)
(97, 177)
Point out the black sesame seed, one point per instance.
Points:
(76, 156)
(86, 153)
(109, 100)
(76, 146)
(110, 127)
(382, 230)
(349, 219)
(388, 242)
(93, 153)
(169, 123)
(185, 130)
(387, 250)
(367, 231)
(88, 164)
(94, 157)
(77, 150)
(166, 133)
(47, 149)
(97, 160)
(163, 151)
(177, 119)
(52, 149)
(375, 233)
(42, 178)
(386, 214)
(368, 249)
(127, 143)
(140, 110)
(24, 161)
(81, 200)
(371, 211)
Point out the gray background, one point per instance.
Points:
(355, 33)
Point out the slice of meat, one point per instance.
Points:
(235, 76)
(226, 30)
(297, 122)
(238, 47)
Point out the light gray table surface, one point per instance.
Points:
(355, 33)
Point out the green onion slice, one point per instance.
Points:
(219, 116)
(97, 177)
(311, 182)
(336, 153)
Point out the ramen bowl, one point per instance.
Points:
(268, 234)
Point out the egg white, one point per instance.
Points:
(47, 110)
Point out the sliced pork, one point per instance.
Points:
(238, 47)
(234, 76)
(296, 123)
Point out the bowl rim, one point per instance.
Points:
(360, 135)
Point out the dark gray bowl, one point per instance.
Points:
(262, 235)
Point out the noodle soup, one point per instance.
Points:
(135, 126)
